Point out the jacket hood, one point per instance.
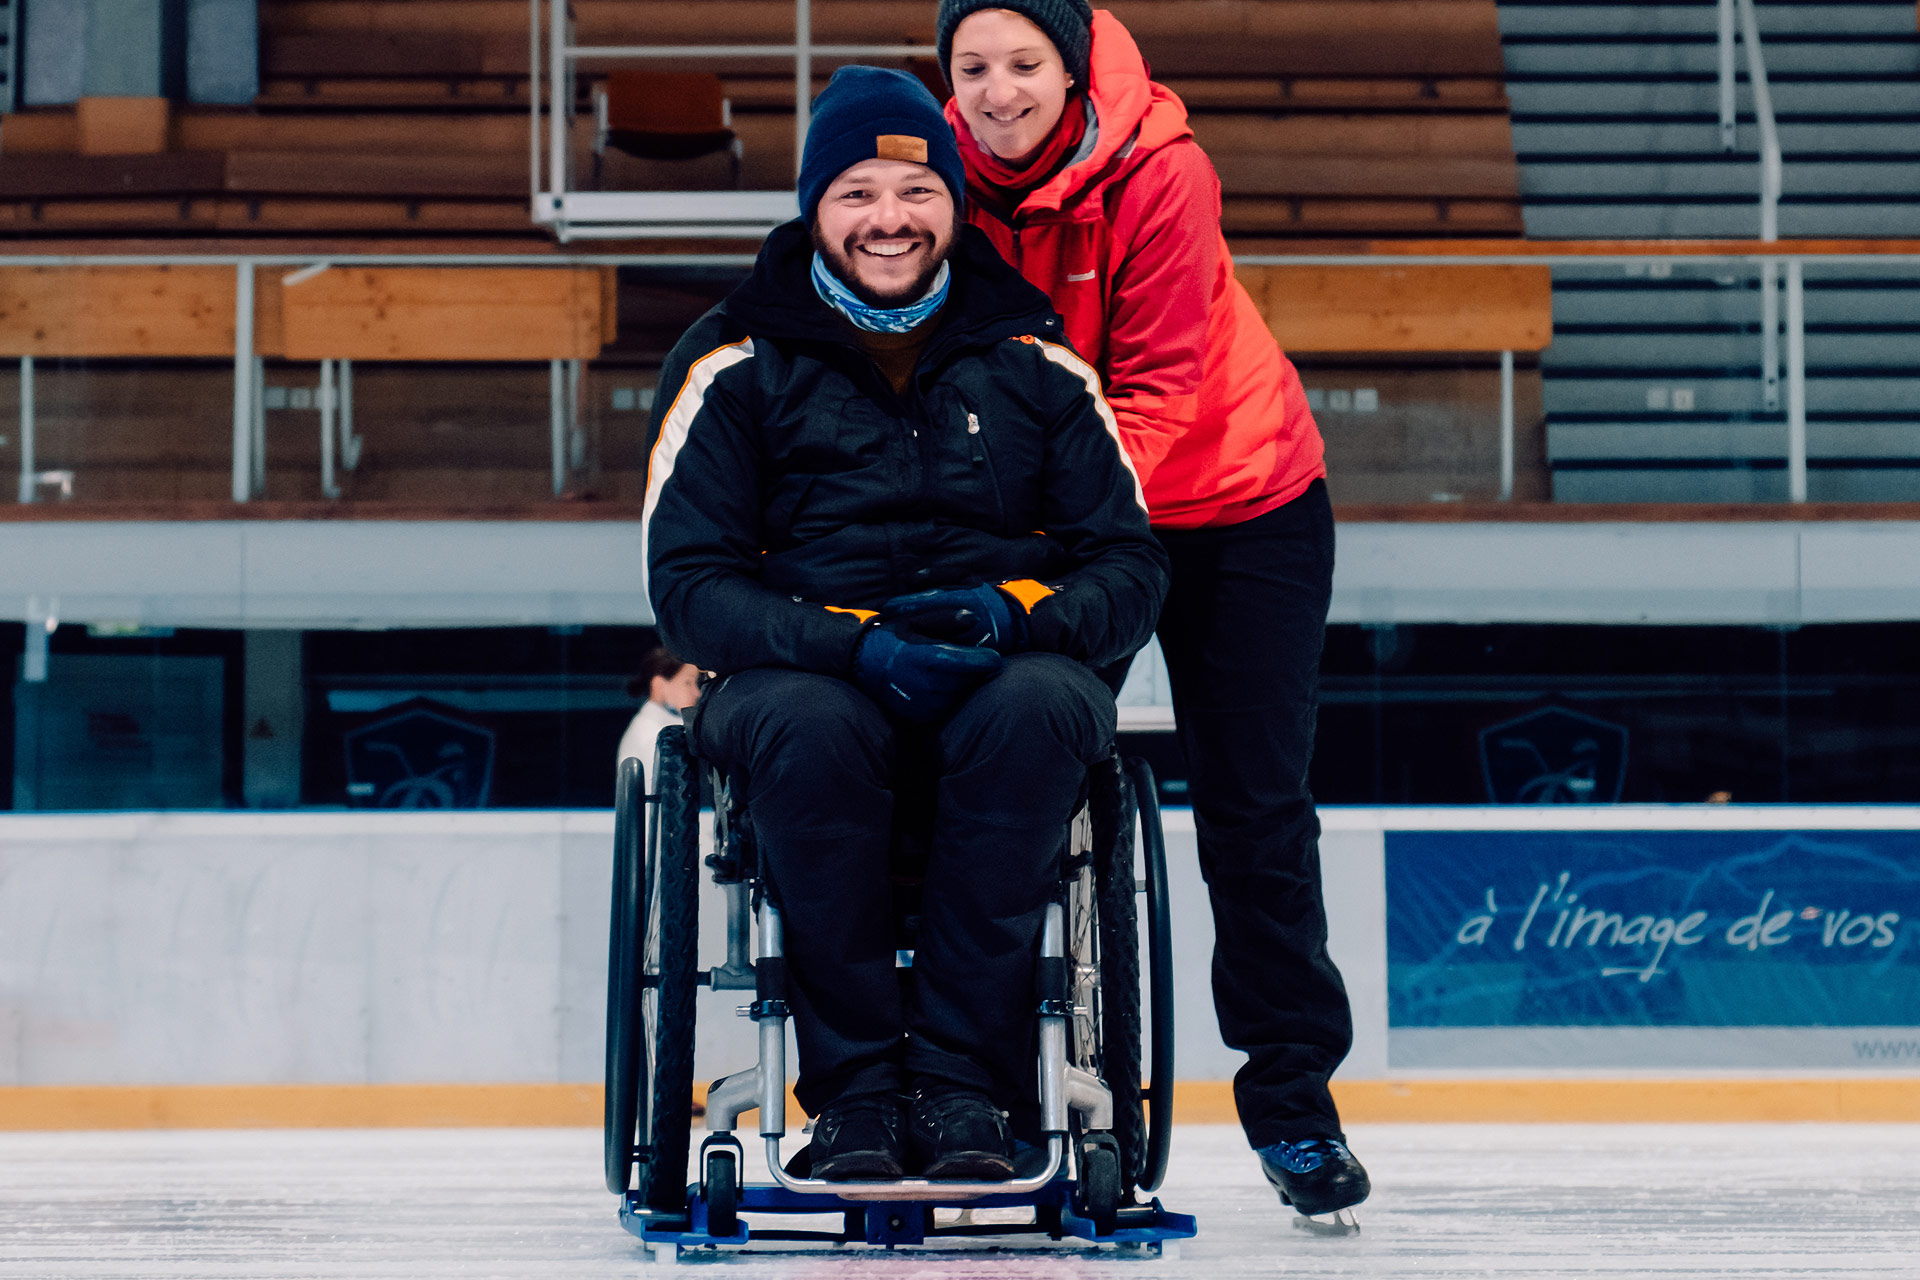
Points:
(1136, 117)
(988, 300)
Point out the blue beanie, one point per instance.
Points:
(870, 113)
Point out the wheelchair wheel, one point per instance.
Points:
(1159, 1139)
(653, 969)
(1118, 1023)
(721, 1186)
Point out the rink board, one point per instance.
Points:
(398, 950)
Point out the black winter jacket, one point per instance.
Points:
(788, 481)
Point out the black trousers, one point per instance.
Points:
(1242, 632)
(827, 772)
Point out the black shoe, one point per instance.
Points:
(859, 1138)
(1315, 1175)
(959, 1134)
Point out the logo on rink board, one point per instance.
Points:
(1653, 928)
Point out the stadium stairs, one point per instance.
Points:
(1653, 386)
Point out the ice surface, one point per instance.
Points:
(1449, 1201)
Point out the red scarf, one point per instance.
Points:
(1015, 183)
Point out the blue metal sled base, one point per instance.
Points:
(893, 1223)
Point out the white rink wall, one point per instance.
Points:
(397, 948)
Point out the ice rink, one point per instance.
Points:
(1449, 1201)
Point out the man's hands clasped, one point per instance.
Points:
(931, 650)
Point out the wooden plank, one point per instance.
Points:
(446, 313)
(1379, 309)
(38, 177)
(116, 126)
(373, 54)
(361, 174)
(1467, 177)
(116, 311)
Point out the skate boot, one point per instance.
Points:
(1320, 1178)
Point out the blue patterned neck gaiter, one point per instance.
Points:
(834, 292)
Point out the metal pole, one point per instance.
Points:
(802, 79)
(559, 114)
(259, 426)
(1506, 426)
(557, 422)
(27, 463)
(243, 382)
(533, 104)
(1728, 100)
(328, 407)
(1796, 382)
(349, 442)
(1770, 333)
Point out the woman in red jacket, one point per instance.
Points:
(1085, 174)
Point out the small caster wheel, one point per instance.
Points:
(1096, 1197)
(722, 1192)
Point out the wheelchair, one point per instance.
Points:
(1104, 1126)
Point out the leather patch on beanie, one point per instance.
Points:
(900, 146)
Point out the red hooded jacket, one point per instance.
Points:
(1127, 244)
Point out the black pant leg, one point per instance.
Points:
(1242, 632)
(1013, 761)
(819, 755)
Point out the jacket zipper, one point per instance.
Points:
(977, 446)
(973, 438)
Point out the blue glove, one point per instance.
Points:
(983, 616)
(922, 682)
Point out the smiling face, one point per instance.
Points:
(884, 227)
(1010, 82)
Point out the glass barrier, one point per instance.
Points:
(531, 717)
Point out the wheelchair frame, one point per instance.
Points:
(646, 1063)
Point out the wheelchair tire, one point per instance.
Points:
(1119, 936)
(628, 909)
(650, 991)
(1159, 1142)
(721, 1187)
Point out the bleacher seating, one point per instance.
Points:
(382, 117)
(1653, 383)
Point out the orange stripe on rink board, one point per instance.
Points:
(421, 1106)
(1690, 1101)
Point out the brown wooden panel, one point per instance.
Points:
(446, 313)
(372, 54)
(1467, 177)
(116, 311)
(1369, 134)
(113, 126)
(33, 177)
(363, 174)
(1383, 309)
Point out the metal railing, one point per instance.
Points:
(1741, 13)
(575, 215)
(565, 376)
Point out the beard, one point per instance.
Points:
(842, 261)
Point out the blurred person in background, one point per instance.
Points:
(1085, 175)
(669, 686)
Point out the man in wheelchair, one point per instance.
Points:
(889, 508)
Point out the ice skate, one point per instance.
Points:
(1321, 1180)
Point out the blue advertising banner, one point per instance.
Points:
(1653, 929)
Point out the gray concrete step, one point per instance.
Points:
(1733, 484)
(1635, 58)
(1718, 176)
(1536, 100)
(1683, 439)
(1889, 18)
(1592, 395)
(1735, 220)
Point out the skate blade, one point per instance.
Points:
(1339, 1223)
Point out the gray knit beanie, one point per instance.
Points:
(1068, 23)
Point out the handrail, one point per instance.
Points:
(1478, 253)
(563, 55)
